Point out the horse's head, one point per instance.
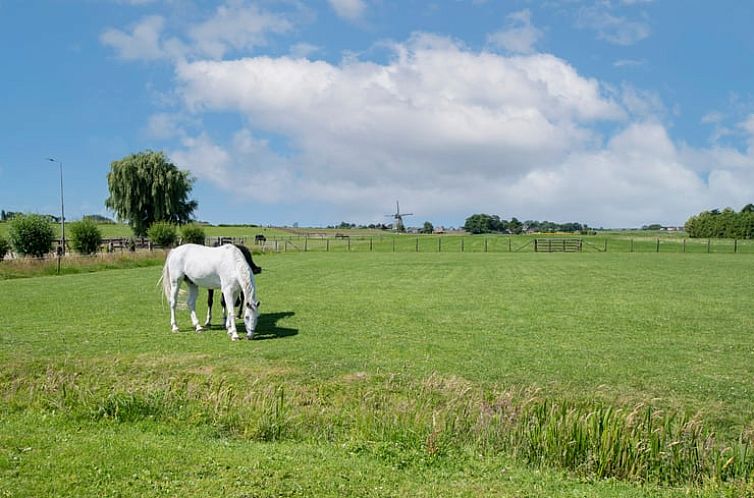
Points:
(250, 316)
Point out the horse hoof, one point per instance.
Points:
(234, 338)
(175, 329)
(199, 328)
(250, 336)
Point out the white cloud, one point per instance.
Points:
(143, 42)
(612, 27)
(447, 130)
(351, 10)
(519, 35)
(236, 27)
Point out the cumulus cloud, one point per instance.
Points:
(448, 130)
(519, 35)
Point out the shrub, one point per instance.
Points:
(85, 236)
(192, 234)
(31, 235)
(4, 247)
(163, 234)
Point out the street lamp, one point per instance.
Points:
(62, 210)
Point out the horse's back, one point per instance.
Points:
(204, 266)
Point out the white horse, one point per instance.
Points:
(221, 268)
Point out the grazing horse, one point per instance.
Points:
(256, 270)
(222, 268)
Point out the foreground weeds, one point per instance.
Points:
(408, 423)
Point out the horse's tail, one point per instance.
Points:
(165, 279)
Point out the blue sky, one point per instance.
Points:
(614, 113)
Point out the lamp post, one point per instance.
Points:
(62, 210)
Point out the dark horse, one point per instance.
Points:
(256, 270)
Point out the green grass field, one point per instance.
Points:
(380, 374)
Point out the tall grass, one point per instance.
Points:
(414, 423)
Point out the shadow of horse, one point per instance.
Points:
(267, 327)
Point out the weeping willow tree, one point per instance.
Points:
(145, 188)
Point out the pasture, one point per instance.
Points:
(383, 374)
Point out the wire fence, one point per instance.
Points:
(444, 243)
(493, 244)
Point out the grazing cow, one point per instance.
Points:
(256, 270)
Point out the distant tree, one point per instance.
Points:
(192, 234)
(427, 228)
(163, 234)
(31, 235)
(749, 208)
(484, 223)
(2, 215)
(145, 188)
(515, 226)
(85, 236)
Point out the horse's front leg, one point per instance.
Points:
(175, 286)
(230, 322)
(240, 304)
(210, 298)
(193, 294)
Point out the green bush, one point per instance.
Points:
(85, 236)
(4, 247)
(163, 234)
(192, 234)
(31, 235)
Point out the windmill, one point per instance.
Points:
(398, 217)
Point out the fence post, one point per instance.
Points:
(735, 246)
(349, 244)
(393, 244)
(658, 245)
(439, 244)
(485, 245)
(461, 244)
(708, 245)
(306, 243)
(605, 245)
(417, 244)
(510, 248)
(370, 244)
(327, 245)
(632, 245)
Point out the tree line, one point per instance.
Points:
(728, 224)
(486, 223)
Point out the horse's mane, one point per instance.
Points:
(244, 272)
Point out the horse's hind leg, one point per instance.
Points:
(192, 295)
(210, 298)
